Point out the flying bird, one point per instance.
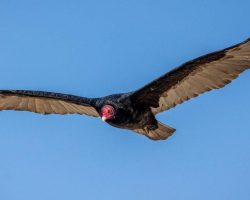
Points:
(136, 110)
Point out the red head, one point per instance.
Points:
(107, 112)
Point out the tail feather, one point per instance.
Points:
(161, 133)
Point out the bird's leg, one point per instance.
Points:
(152, 123)
(152, 127)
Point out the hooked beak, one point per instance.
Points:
(104, 118)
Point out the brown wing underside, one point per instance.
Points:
(45, 103)
(161, 133)
(208, 72)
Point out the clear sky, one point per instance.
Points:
(95, 48)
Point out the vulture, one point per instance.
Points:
(136, 110)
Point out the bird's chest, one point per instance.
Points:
(132, 119)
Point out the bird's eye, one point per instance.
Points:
(110, 111)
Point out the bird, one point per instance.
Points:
(137, 110)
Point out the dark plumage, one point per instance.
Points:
(136, 110)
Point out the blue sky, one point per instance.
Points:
(95, 48)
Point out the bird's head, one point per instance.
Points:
(107, 112)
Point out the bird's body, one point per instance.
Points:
(136, 110)
(128, 116)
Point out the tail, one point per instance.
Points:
(161, 133)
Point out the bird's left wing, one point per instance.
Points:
(195, 77)
(46, 102)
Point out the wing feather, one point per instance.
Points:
(212, 71)
(46, 102)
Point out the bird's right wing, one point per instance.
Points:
(46, 102)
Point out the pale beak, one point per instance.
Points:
(104, 119)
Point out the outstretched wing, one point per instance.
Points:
(195, 77)
(46, 102)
